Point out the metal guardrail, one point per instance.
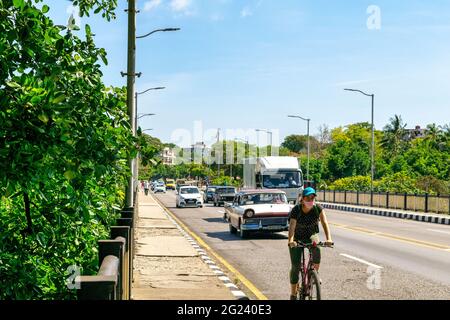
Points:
(114, 278)
(439, 204)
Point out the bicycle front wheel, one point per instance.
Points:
(314, 286)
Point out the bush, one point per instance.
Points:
(64, 143)
(226, 180)
(357, 183)
(398, 182)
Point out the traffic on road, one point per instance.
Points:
(373, 258)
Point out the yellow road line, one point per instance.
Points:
(393, 237)
(238, 275)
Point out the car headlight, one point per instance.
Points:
(249, 213)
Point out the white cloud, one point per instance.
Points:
(180, 5)
(246, 12)
(152, 4)
(216, 17)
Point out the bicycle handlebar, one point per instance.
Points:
(312, 245)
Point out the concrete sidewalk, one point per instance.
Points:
(395, 213)
(166, 264)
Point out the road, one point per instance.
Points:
(373, 258)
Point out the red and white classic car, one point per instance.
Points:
(258, 210)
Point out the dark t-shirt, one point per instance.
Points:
(307, 223)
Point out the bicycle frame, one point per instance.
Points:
(304, 270)
(305, 267)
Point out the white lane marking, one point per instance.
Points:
(440, 231)
(224, 278)
(220, 211)
(238, 293)
(361, 260)
(230, 285)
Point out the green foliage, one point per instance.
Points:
(393, 140)
(433, 185)
(356, 183)
(398, 182)
(295, 143)
(64, 144)
(225, 181)
(149, 149)
(402, 164)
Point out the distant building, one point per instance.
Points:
(415, 133)
(168, 156)
(197, 152)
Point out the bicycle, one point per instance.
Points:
(310, 279)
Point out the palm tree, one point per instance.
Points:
(436, 136)
(394, 135)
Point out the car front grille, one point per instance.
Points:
(272, 221)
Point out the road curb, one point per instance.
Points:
(235, 291)
(389, 213)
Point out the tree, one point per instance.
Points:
(394, 136)
(324, 136)
(295, 143)
(348, 155)
(298, 143)
(64, 144)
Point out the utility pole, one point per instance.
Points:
(131, 74)
(218, 158)
(309, 144)
(372, 153)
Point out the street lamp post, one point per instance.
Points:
(372, 166)
(131, 77)
(307, 120)
(270, 133)
(247, 146)
(136, 105)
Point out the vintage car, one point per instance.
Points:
(258, 210)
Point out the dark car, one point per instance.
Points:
(223, 194)
(208, 195)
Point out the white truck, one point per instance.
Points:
(282, 173)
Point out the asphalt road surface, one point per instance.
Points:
(373, 258)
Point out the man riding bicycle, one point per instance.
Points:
(304, 227)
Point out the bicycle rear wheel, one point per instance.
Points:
(314, 286)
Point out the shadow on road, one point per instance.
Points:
(227, 236)
(215, 220)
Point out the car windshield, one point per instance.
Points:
(263, 198)
(188, 190)
(226, 190)
(211, 190)
(282, 180)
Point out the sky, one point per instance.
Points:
(239, 65)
